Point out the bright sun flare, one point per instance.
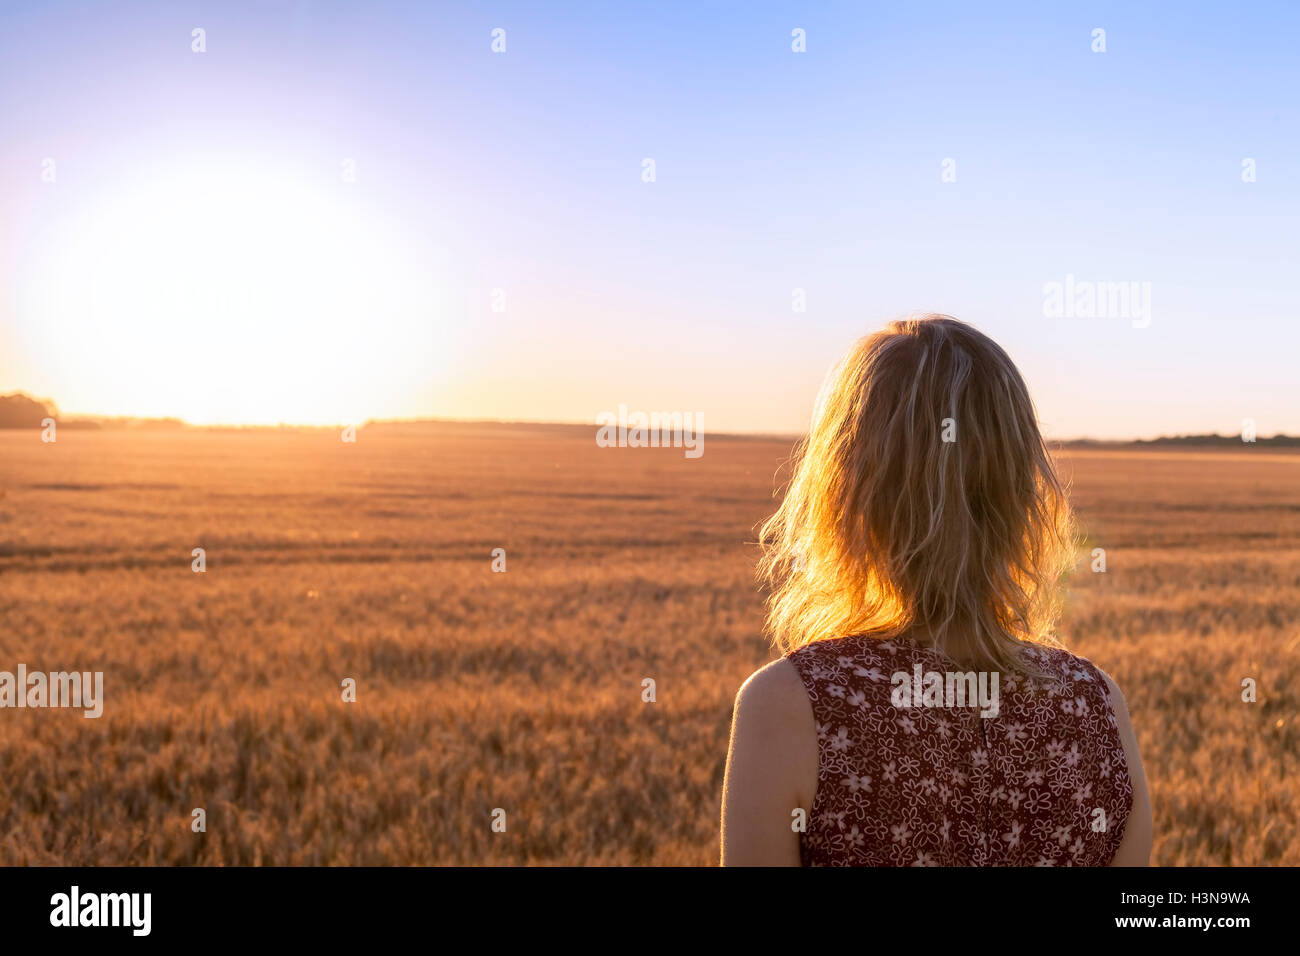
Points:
(227, 297)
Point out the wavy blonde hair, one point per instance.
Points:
(923, 498)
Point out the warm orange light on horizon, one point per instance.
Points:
(239, 297)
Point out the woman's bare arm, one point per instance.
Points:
(1135, 847)
(771, 769)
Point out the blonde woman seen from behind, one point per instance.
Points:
(923, 712)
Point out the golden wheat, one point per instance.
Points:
(522, 691)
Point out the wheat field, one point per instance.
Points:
(521, 691)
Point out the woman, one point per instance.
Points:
(923, 713)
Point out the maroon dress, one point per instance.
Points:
(1043, 783)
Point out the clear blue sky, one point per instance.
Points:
(775, 170)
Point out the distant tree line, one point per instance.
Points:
(1286, 441)
(22, 411)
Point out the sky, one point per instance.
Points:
(342, 211)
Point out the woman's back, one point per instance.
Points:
(915, 777)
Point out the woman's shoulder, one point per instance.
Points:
(839, 651)
(774, 689)
(787, 681)
(773, 728)
(1070, 666)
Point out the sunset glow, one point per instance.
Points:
(239, 296)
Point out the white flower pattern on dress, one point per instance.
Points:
(946, 787)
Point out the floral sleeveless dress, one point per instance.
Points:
(1043, 783)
